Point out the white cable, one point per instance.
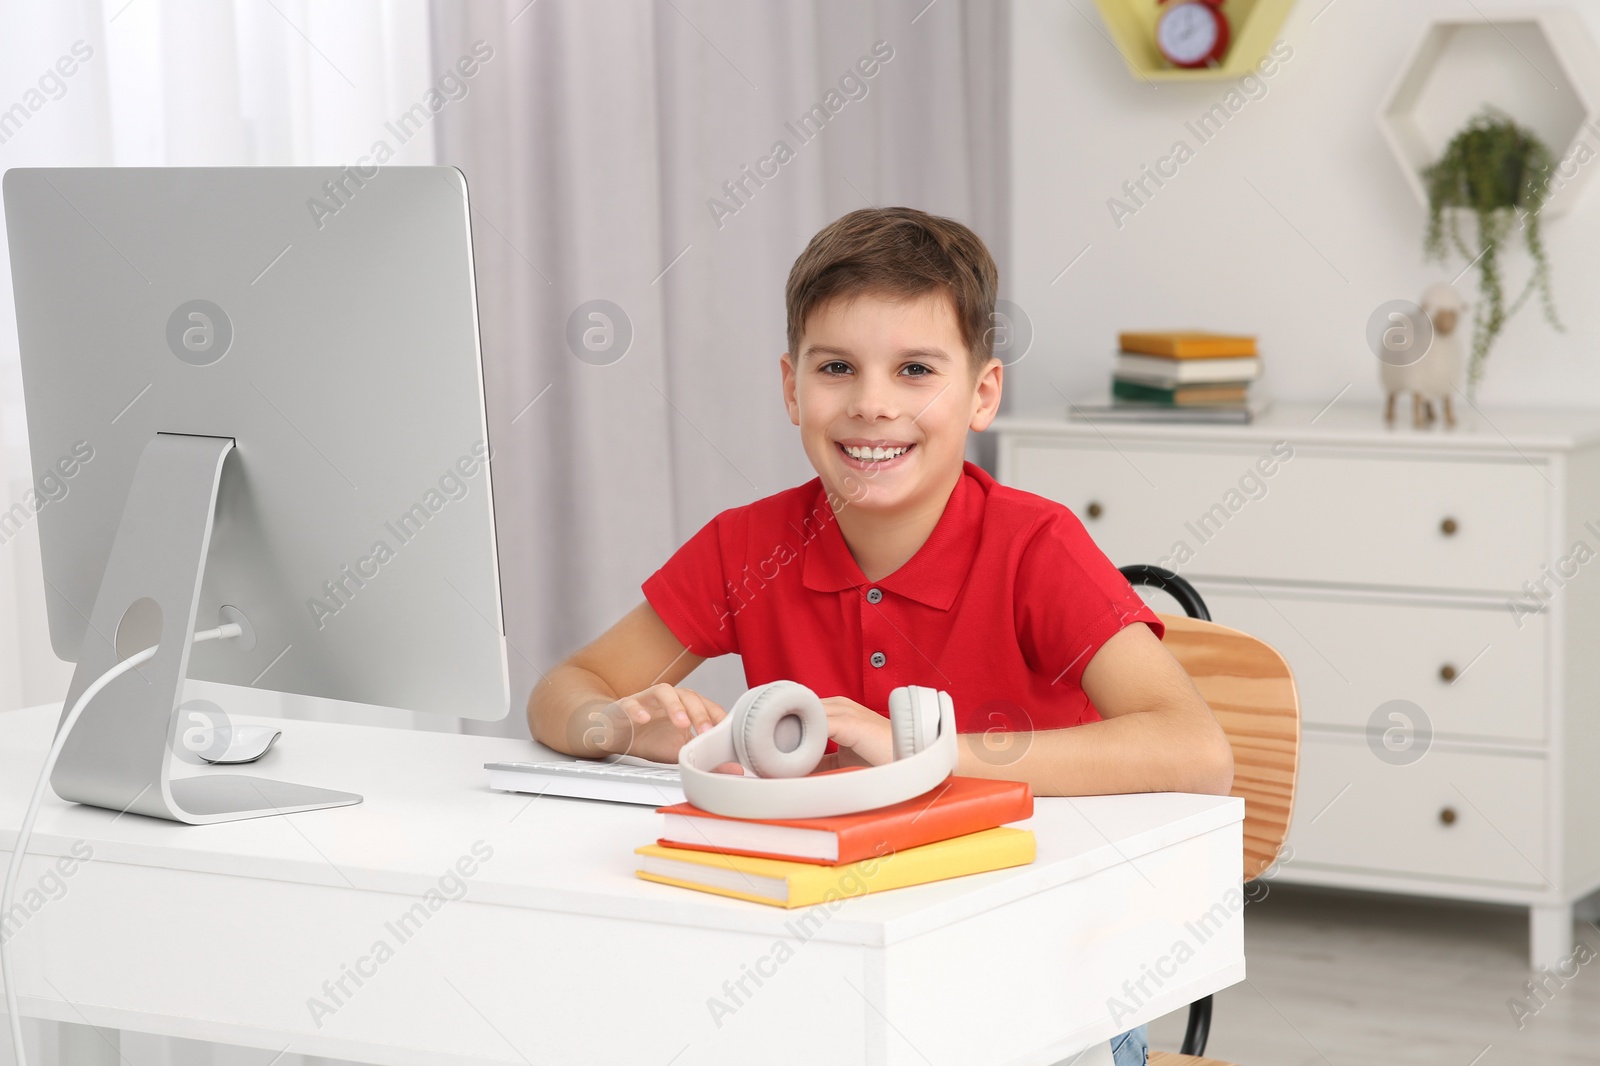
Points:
(232, 629)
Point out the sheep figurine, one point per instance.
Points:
(1436, 373)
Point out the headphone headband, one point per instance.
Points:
(814, 796)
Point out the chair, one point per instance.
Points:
(1250, 690)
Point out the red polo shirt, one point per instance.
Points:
(1002, 607)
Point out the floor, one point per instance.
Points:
(1356, 979)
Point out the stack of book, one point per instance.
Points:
(1184, 376)
(956, 829)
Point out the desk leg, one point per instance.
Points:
(90, 1046)
(1549, 934)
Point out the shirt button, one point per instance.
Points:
(878, 658)
(874, 595)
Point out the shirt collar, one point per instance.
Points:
(934, 575)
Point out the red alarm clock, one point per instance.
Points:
(1192, 33)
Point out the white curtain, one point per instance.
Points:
(594, 139)
(181, 83)
(595, 144)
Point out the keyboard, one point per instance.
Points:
(631, 781)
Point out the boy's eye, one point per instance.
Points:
(838, 367)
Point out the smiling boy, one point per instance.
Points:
(900, 563)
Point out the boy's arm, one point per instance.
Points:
(1158, 735)
(637, 652)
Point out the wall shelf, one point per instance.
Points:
(1133, 28)
(1541, 67)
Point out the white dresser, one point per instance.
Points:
(1437, 594)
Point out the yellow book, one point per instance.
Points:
(1187, 344)
(801, 884)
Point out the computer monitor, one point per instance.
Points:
(254, 394)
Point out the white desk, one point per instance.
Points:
(558, 954)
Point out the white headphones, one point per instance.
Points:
(777, 731)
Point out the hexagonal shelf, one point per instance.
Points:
(1254, 24)
(1541, 68)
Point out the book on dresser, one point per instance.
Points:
(1159, 370)
(1181, 376)
(1227, 392)
(1255, 404)
(1187, 344)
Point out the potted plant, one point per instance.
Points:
(1500, 172)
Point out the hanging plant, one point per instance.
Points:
(1500, 172)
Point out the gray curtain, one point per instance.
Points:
(597, 143)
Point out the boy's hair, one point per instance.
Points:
(898, 252)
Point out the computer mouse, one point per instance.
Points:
(245, 743)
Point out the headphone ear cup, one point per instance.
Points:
(913, 719)
(779, 729)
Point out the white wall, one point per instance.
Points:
(1209, 251)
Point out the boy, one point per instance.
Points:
(901, 563)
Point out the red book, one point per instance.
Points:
(959, 806)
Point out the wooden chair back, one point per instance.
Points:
(1251, 691)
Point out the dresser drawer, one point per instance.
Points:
(1450, 814)
(1321, 515)
(1470, 669)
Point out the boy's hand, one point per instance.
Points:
(653, 724)
(682, 707)
(860, 730)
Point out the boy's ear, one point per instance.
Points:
(790, 401)
(986, 398)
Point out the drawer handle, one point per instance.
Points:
(1447, 673)
(1448, 527)
(1094, 509)
(1447, 815)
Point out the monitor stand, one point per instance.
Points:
(119, 753)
